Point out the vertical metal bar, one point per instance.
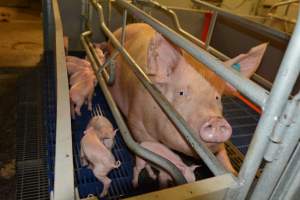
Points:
(63, 177)
(288, 185)
(282, 87)
(199, 146)
(211, 29)
(132, 145)
(250, 89)
(123, 26)
(273, 170)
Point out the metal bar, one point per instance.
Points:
(289, 184)
(285, 19)
(126, 135)
(246, 22)
(211, 29)
(199, 146)
(282, 87)
(250, 89)
(282, 4)
(281, 150)
(63, 177)
(200, 43)
(123, 27)
(175, 20)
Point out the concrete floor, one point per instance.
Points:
(21, 37)
(21, 48)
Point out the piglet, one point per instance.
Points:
(98, 158)
(79, 93)
(104, 130)
(73, 68)
(78, 61)
(83, 74)
(163, 176)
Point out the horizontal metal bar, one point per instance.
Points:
(126, 135)
(276, 5)
(282, 87)
(250, 89)
(199, 146)
(175, 21)
(246, 22)
(282, 18)
(63, 169)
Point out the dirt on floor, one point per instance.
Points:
(8, 101)
(21, 46)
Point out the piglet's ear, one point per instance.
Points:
(162, 59)
(246, 64)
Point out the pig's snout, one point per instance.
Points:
(216, 129)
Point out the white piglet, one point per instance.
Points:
(98, 158)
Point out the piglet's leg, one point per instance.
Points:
(140, 165)
(163, 178)
(150, 172)
(83, 160)
(90, 98)
(106, 184)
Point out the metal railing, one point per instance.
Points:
(205, 45)
(280, 4)
(275, 105)
(63, 169)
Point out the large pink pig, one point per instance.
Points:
(193, 90)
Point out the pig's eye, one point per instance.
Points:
(181, 93)
(217, 97)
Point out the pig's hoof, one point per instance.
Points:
(103, 193)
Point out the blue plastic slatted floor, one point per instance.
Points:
(243, 121)
(242, 118)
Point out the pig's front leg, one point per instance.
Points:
(224, 159)
(139, 166)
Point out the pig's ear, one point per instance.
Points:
(247, 63)
(162, 59)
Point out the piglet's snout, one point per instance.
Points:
(216, 129)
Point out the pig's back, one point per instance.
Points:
(138, 37)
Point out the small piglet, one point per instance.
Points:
(104, 130)
(79, 93)
(98, 158)
(81, 75)
(163, 176)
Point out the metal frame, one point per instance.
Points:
(205, 45)
(285, 3)
(274, 105)
(64, 171)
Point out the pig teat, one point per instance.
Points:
(216, 129)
